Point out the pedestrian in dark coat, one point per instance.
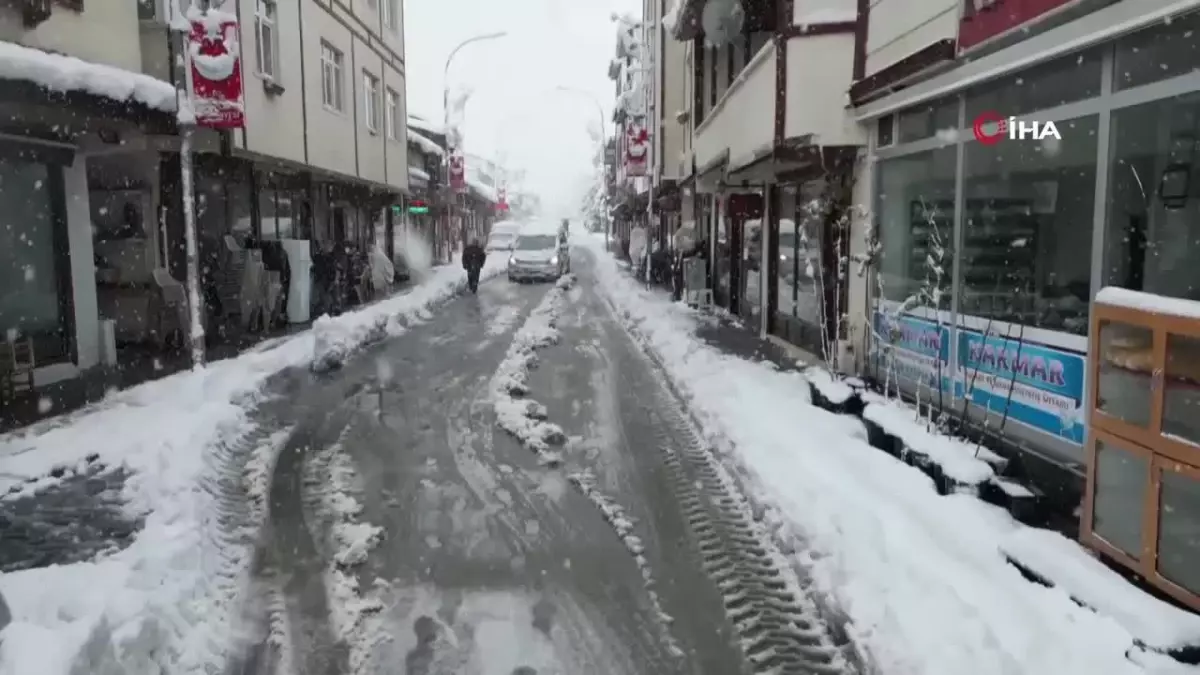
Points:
(473, 258)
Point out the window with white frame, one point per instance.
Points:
(268, 39)
(393, 114)
(371, 104)
(391, 14)
(332, 83)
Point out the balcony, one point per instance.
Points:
(742, 123)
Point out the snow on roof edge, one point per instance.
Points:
(58, 72)
(426, 144)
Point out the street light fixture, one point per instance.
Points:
(446, 103)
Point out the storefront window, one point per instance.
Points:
(939, 117)
(1154, 199)
(1066, 80)
(240, 221)
(267, 213)
(30, 290)
(1157, 54)
(915, 212)
(1027, 236)
(285, 215)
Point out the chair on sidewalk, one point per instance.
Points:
(17, 363)
(170, 313)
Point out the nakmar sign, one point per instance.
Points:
(1037, 385)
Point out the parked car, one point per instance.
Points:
(536, 257)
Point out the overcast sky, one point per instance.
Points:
(514, 114)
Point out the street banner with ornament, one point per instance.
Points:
(501, 200)
(215, 69)
(637, 149)
(458, 173)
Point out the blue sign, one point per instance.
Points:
(921, 349)
(1040, 386)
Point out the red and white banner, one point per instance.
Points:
(637, 149)
(458, 173)
(215, 77)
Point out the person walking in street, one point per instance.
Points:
(473, 258)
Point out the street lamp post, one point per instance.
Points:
(446, 104)
(603, 148)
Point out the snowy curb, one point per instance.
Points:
(614, 514)
(517, 414)
(345, 545)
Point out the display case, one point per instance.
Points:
(1142, 504)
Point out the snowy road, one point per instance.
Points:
(410, 534)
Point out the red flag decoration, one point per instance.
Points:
(215, 82)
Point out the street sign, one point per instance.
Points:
(458, 173)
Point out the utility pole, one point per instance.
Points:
(186, 117)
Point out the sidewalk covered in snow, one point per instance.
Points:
(923, 578)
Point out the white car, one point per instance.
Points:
(535, 257)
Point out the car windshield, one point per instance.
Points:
(536, 242)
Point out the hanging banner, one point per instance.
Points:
(637, 149)
(458, 173)
(215, 70)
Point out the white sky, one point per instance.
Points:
(514, 115)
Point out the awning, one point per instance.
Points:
(1091, 29)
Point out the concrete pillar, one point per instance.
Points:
(83, 267)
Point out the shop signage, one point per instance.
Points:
(990, 128)
(458, 173)
(920, 349)
(418, 206)
(1046, 384)
(982, 20)
(215, 70)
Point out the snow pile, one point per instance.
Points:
(614, 514)
(175, 437)
(426, 145)
(920, 577)
(959, 460)
(337, 338)
(520, 416)
(347, 542)
(67, 73)
(671, 17)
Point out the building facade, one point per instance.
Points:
(95, 156)
(769, 159)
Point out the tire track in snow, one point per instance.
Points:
(780, 627)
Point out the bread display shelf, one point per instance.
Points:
(1144, 393)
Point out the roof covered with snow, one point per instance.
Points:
(418, 122)
(57, 72)
(425, 144)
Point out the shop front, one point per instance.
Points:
(993, 246)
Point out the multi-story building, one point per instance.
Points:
(91, 169)
(629, 192)
(991, 165)
(667, 121)
(768, 147)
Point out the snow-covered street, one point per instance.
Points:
(558, 478)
